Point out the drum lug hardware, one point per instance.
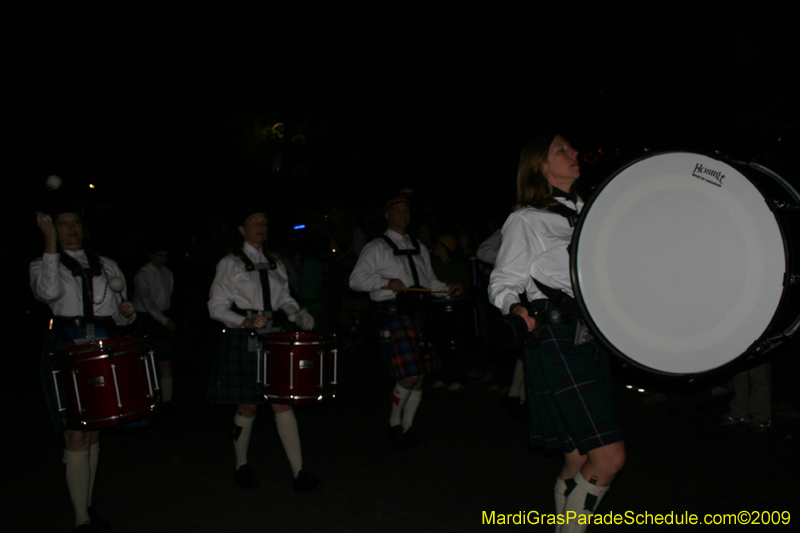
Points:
(760, 348)
(61, 407)
(154, 386)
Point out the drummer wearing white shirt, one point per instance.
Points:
(54, 284)
(237, 301)
(384, 274)
(569, 383)
(152, 296)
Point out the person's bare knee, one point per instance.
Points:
(411, 382)
(573, 462)
(248, 411)
(604, 464)
(77, 441)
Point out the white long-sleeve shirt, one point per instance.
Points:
(534, 244)
(54, 284)
(153, 291)
(377, 265)
(488, 249)
(234, 284)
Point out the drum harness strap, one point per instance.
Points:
(263, 274)
(406, 302)
(408, 253)
(559, 297)
(86, 275)
(565, 211)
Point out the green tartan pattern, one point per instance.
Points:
(569, 393)
(233, 376)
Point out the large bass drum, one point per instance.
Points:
(683, 262)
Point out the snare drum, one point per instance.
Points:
(684, 262)
(105, 383)
(298, 367)
(450, 323)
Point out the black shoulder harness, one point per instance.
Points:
(408, 253)
(248, 264)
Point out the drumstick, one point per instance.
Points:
(386, 288)
(117, 284)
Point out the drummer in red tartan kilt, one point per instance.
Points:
(387, 267)
(249, 295)
(569, 381)
(74, 282)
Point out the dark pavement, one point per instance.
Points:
(176, 475)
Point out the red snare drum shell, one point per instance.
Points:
(105, 383)
(299, 367)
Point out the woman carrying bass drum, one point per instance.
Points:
(569, 384)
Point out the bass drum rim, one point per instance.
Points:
(764, 341)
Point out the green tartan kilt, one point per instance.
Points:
(569, 392)
(233, 376)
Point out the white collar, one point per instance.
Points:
(252, 253)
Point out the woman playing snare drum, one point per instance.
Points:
(60, 278)
(240, 301)
(569, 385)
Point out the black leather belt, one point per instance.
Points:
(247, 313)
(79, 322)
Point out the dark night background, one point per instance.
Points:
(167, 113)
(165, 109)
(161, 109)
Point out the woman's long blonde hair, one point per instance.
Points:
(533, 189)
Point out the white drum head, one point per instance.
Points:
(679, 263)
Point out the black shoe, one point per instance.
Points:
(396, 438)
(245, 477)
(88, 527)
(166, 410)
(306, 482)
(410, 437)
(100, 523)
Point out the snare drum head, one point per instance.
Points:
(679, 263)
(287, 338)
(101, 347)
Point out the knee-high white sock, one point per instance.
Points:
(166, 389)
(517, 389)
(94, 458)
(78, 483)
(290, 437)
(410, 408)
(243, 426)
(583, 499)
(399, 398)
(561, 498)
